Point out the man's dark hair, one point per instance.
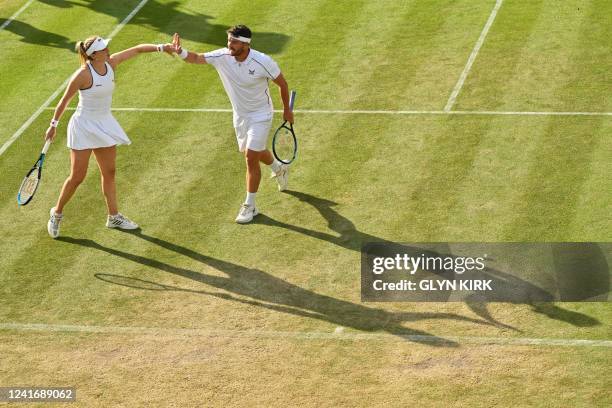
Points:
(239, 31)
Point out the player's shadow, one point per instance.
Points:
(510, 288)
(265, 290)
(171, 17)
(32, 35)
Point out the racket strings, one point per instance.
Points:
(284, 144)
(286, 139)
(29, 186)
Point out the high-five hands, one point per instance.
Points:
(176, 42)
(169, 49)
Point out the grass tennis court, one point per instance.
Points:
(198, 310)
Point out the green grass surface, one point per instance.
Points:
(405, 178)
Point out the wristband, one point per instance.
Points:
(160, 47)
(54, 123)
(184, 53)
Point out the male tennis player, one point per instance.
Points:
(245, 73)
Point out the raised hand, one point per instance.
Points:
(176, 41)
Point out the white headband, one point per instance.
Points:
(241, 38)
(98, 45)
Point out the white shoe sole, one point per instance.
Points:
(119, 226)
(49, 229)
(123, 228)
(246, 221)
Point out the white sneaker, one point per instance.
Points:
(246, 214)
(120, 221)
(282, 177)
(53, 226)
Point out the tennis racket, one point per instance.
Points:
(284, 143)
(29, 185)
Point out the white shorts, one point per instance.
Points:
(252, 136)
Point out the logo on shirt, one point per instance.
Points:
(251, 72)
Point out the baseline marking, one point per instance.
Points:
(367, 112)
(472, 58)
(36, 114)
(14, 16)
(336, 335)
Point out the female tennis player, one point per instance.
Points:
(92, 128)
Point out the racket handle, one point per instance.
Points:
(292, 99)
(46, 147)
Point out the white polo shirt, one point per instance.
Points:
(246, 83)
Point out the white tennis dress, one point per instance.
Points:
(92, 125)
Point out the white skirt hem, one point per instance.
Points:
(94, 132)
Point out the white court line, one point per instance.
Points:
(36, 114)
(368, 112)
(14, 16)
(472, 58)
(336, 335)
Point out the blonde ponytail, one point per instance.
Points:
(80, 48)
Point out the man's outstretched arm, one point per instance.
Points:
(188, 56)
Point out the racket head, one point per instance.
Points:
(284, 144)
(29, 185)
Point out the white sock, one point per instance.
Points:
(276, 165)
(250, 199)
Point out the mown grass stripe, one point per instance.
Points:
(483, 197)
(546, 206)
